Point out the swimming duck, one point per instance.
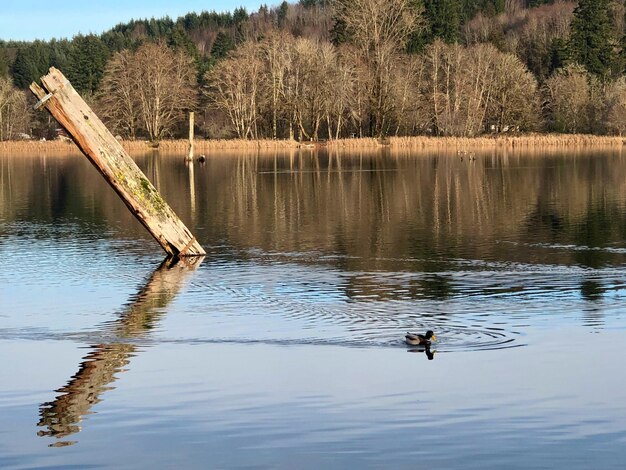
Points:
(415, 340)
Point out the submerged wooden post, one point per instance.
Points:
(119, 170)
(191, 124)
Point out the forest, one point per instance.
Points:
(330, 69)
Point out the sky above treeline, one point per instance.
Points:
(27, 20)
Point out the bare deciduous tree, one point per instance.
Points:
(276, 53)
(341, 85)
(168, 87)
(234, 87)
(283, 85)
(515, 99)
(315, 67)
(615, 106)
(14, 111)
(568, 99)
(469, 88)
(379, 29)
(149, 89)
(118, 99)
(409, 96)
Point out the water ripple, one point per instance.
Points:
(251, 296)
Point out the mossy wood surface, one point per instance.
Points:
(117, 167)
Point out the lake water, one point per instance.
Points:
(283, 347)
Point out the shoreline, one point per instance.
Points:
(519, 142)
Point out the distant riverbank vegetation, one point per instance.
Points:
(341, 69)
(461, 146)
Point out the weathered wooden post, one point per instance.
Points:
(191, 124)
(119, 170)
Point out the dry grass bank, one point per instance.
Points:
(59, 147)
(522, 142)
(477, 143)
(207, 146)
(36, 147)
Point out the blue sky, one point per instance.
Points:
(34, 19)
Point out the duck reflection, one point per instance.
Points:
(430, 353)
(61, 417)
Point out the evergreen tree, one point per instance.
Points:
(179, 39)
(240, 15)
(620, 65)
(537, 3)
(339, 33)
(470, 8)
(444, 17)
(591, 42)
(159, 28)
(421, 36)
(222, 45)
(59, 54)
(32, 61)
(4, 64)
(190, 21)
(282, 13)
(88, 56)
(115, 41)
(23, 69)
(559, 55)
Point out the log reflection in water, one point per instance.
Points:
(96, 373)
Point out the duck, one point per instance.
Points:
(413, 339)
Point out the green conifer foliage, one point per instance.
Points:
(421, 36)
(31, 62)
(222, 45)
(444, 17)
(339, 33)
(88, 56)
(4, 64)
(591, 41)
(282, 13)
(179, 39)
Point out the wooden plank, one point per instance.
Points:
(103, 150)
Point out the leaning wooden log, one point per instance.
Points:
(119, 170)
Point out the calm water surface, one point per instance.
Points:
(282, 348)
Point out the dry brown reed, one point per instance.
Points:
(37, 147)
(521, 142)
(200, 146)
(475, 143)
(136, 146)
